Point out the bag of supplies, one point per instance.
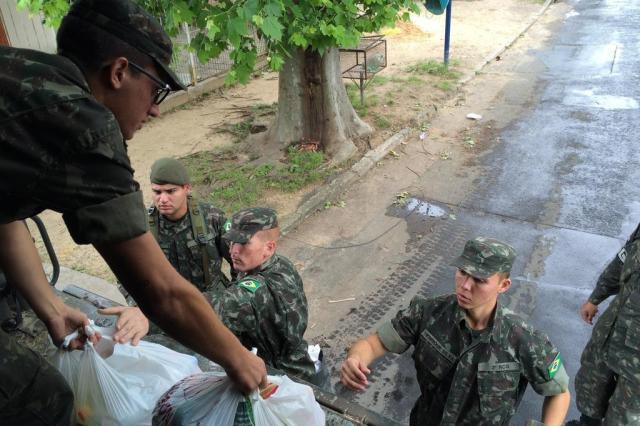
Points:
(119, 384)
(209, 399)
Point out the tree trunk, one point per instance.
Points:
(313, 105)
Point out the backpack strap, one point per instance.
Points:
(199, 228)
(154, 221)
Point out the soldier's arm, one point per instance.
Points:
(20, 262)
(179, 308)
(354, 371)
(555, 408)
(609, 281)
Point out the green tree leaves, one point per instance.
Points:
(285, 25)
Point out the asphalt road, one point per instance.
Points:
(555, 175)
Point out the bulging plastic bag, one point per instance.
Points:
(209, 399)
(119, 384)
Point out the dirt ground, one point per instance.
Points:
(479, 28)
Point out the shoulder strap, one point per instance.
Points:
(154, 221)
(200, 232)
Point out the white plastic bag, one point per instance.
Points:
(209, 399)
(119, 384)
(292, 404)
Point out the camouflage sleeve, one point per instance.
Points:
(93, 185)
(609, 281)
(235, 309)
(404, 330)
(542, 364)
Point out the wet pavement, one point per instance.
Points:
(558, 181)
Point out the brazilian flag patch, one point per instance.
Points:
(251, 285)
(555, 366)
(227, 226)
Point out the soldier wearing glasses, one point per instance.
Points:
(64, 120)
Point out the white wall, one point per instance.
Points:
(24, 31)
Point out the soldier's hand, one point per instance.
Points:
(247, 372)
(132, 325)
(588, 311)
(66, 322)
(353, 374)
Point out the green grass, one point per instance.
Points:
(434, 68)
(218, 178)
(414, 81)
(381, 121)
(379, 80)
(444, 85)
(370, 100)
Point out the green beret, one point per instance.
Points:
(169, 170)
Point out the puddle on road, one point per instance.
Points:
(587, 98)
(420, 215)
(416, 206)
(423, 208)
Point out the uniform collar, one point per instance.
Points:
(495, 324)
(264, 265)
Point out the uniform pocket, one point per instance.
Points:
(497, 388)
(433, 356)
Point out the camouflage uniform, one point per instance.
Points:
(193, 242)
(185, 252)
(61, 149)
(608, 382)
(466, 376)
(266, 308)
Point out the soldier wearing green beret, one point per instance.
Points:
(266, 306)
(190, 236)
(64, 123)
(474, 358)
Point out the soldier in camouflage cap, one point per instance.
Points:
(266, 306)
(608, 381)
(483, 257)
(246, 223)
(64, 123)
(474, 358)
(190, 235)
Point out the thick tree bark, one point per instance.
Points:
(313, 105)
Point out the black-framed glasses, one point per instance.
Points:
(163, 89)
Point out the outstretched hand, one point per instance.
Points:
(353, 374)
(132, 324)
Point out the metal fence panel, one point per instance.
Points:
(187, 66)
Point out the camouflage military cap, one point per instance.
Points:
(169, 170)
(483, 257)
(247, 222)
(132, 24)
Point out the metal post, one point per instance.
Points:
(447, 33)
(192, 61)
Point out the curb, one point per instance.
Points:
(369, 160)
